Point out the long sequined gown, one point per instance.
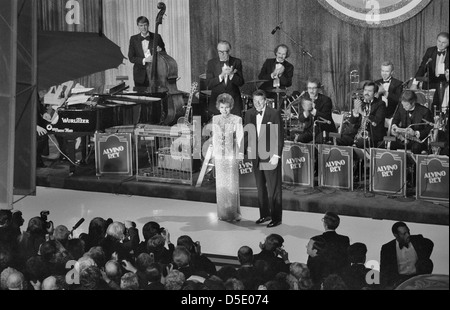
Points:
(227, 134)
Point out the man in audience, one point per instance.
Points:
(199, 261)
(355, 274)
(404, 257)
(273, 253)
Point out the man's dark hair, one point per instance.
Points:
(375, 86)
(396, 226)
(319, 244)
(357, 253)
(444, 35)
(143, 20)
(260, 93)
(288, 52)
(409, 96)
(332, 220)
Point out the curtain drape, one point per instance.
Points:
(338, 47)
(120, 25)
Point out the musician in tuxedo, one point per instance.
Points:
(278, 71)
(140, 52)
(322, 109)
(409, 114)
(390, 89)
(368, 116)
(404, 257)
(224, 75)
(435, 62)
(303, 132)
(264, 141)
(440, 103)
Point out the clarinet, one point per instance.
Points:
(363, 132)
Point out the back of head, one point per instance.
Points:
(54, 283)
(5, 217)
(357, 253)
(113, 270)
(84, 262)
(334, 283)
(36, 226)
(97, 254)
(319, 244)
(90, 278)
(234, 284)
(331, 220)
(116, 230)
(16, 281)
(299, 270)
(97, 228)
(76, 247)
(143, 261)
(227, 272)
(153, 272)
(273, 241)
(48, 250)
(4, 277)
(186, 241)
(174, 280)
(129, 282)
(61, 233)
(156, 243)
(150, 229)
(245, 255)
(214, 283)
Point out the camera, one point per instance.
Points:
(44, 216)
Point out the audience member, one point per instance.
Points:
(129, 282)
(333, 282)
(198, 260)
(354, 274)
(272, 252)
(174, 281)
(404, 257)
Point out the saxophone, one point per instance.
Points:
(363, 132)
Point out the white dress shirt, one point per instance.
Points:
(259, 119)
(406, 259)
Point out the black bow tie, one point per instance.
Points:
(224, 62)
(386, 81)
(280, 62)
(260, 112)
(404, 246)
(439, 53)
(146, 38)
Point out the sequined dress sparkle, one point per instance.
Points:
(227, 134)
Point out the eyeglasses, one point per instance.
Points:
(224, 52)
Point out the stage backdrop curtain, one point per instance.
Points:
(52, 17)
(120, 24)
(338, 47)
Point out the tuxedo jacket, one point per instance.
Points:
(431, 53)
(136, 55)
(324, 107)
(394, 93)
(267, 69)
(268, 134)
(378, 116)
(214, 69)
(332, 259)
(389, 266)
(420, 113)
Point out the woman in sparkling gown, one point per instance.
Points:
(227, 132)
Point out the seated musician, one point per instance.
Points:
(303, 131)
(404, 124)
(368, 118)
(277, 71)
(440, 102)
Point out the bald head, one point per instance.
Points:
(15, 281)
(49, 284)
(113, 270)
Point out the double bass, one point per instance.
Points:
(163, 73)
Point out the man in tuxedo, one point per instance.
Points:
(322, 110)
(408, 114)
(373, 111)
(224, 75)
(390, 89)
(277, 71)
(404, 257)
(264, 141)
(303, 132)
(435, 62)
(333, 253)
(140, 52)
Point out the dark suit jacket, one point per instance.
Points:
(395, 91)
(214, 69)
(378, 116)
(276, 137)
(432, 53)
(267, 69)
(388, 265)
(354, 276)
(402, 120)
(324, 107)
(332, 259)
(136, 55)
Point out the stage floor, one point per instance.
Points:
(358, 203)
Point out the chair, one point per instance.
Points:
(338, 119)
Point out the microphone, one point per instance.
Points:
(325, 120)
(429, 60)
(278, 27)
(406, 82)
(78, 224)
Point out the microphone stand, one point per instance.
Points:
(304, 51)
(314, 147)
